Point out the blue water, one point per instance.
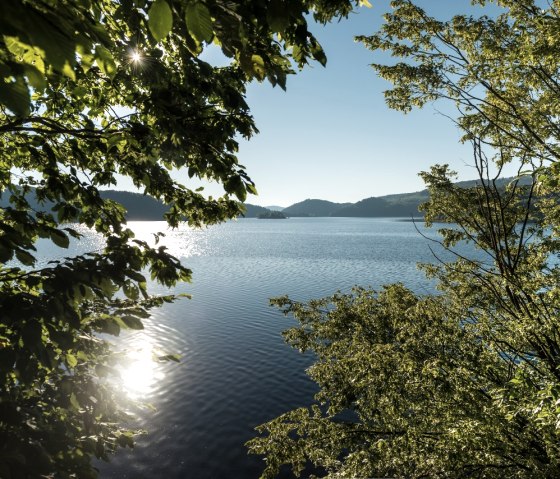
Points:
(236, 372)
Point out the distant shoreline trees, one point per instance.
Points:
(272, 215)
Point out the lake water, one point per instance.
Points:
(236, 372)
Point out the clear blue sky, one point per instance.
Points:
(330, 135)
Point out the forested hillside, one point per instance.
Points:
(313, 207)
(138, 207)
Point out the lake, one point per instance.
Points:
(236, 371)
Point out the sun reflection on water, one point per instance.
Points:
(140, 372)
(183, 242)
(146, 356)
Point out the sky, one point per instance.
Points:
(330, 135)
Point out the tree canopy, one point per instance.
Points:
(500, 71)
(464, 383)
(89, 90)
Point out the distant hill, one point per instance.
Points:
(253, 211)
(314, 208)
(395, 205)
(139, 207)
(274, 208)
(399, 205)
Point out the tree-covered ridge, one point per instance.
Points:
(313, 207)
(395, 205)
(405, 205)
(137, 206)
(141, 207)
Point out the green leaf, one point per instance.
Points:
(60, 239)
(160, 19)
(103, 370)
(36, 79)
(6, 254)
(193, 45)
(16, 46)
(258, 66)
(31, 335)
(24, 257)
(68, 70)
(126, 440)
(278, 16)
(199, 22)
(130, 291)
(132, 322)
(71, 360)
(112, 326)
(53, 39)
(135, 276)
(16, 97)
(74, 401)
(85, 56)
(236, 186)
(318, 53)
(298, 54)
(7, 359)
(105, 62)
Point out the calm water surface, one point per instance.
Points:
(236, 372)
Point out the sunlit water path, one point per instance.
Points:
(236, 372)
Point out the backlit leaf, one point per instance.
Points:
(71, 360)
(74, 401)
(36, 79)
(160, 19)
(258, 66)
(130, 290)
(132, 322)
(104, 60)
(199, 22)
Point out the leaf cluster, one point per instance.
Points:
(460, 384)
(500, 71)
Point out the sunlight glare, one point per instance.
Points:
(141, 372)
(135, 56)
(183, 242)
